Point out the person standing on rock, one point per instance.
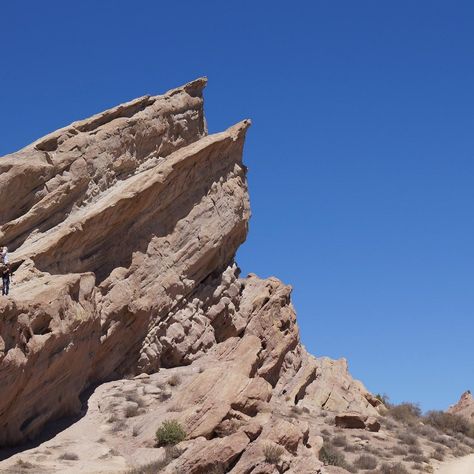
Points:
(6, 273)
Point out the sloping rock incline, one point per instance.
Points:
(124, 230)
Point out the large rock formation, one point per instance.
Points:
(124, 227)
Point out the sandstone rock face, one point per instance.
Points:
(464, 407)
(125, 231)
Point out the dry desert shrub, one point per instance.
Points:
(170, 433)
(119, 425)
(406, 413)
(171, 453)
(174, 380)
(112, 418)
(407, 438)
(392, 469)
(176, 408)
(24, 464)
(68, 457)
(131, 411)
(449, 423)
(331, 456)
(451, 442)
(365, 461)
(384, 398)
(388, 423)
(134, 397)
(438, 454)
(165, 395)
(461, 451)
(339, 441)
(296, 410)
(415, 449)
(351, 448)
(417, 458)
(272, 453)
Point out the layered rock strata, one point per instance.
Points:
(124, 232)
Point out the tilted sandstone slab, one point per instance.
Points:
(125, 232)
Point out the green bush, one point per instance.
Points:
(170, 433)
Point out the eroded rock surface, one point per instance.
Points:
(125, 231)
(464, 407)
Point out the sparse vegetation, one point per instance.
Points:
(165, 395)
(417, 458)
(295, 409)
(135, 398)
(406, 413)
(415, 449)
(339, 440)
(449, 423)
(272, 453)
(331, 456)
(174, 380)
(393, 469)
(119, 425)
(365, 461)
(176, 408)
(461, 451)
(131, 411)
(112, 418)
(407, 438)
(171, 453)
(438, 454)
(384, 398)
(24, 464)
(170, 433)
(68, 457)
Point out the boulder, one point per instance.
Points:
(351, 420)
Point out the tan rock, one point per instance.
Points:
(203, 456)
(372, 424)
(350, 420)
(464, 407)
(124, 230)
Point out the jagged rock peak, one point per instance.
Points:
(464, 407)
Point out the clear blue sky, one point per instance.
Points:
(361, 156)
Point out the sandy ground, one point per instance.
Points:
(464, 465)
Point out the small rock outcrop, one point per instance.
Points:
(124, 230)
(464, 407)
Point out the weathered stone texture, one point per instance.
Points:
(125, 229)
